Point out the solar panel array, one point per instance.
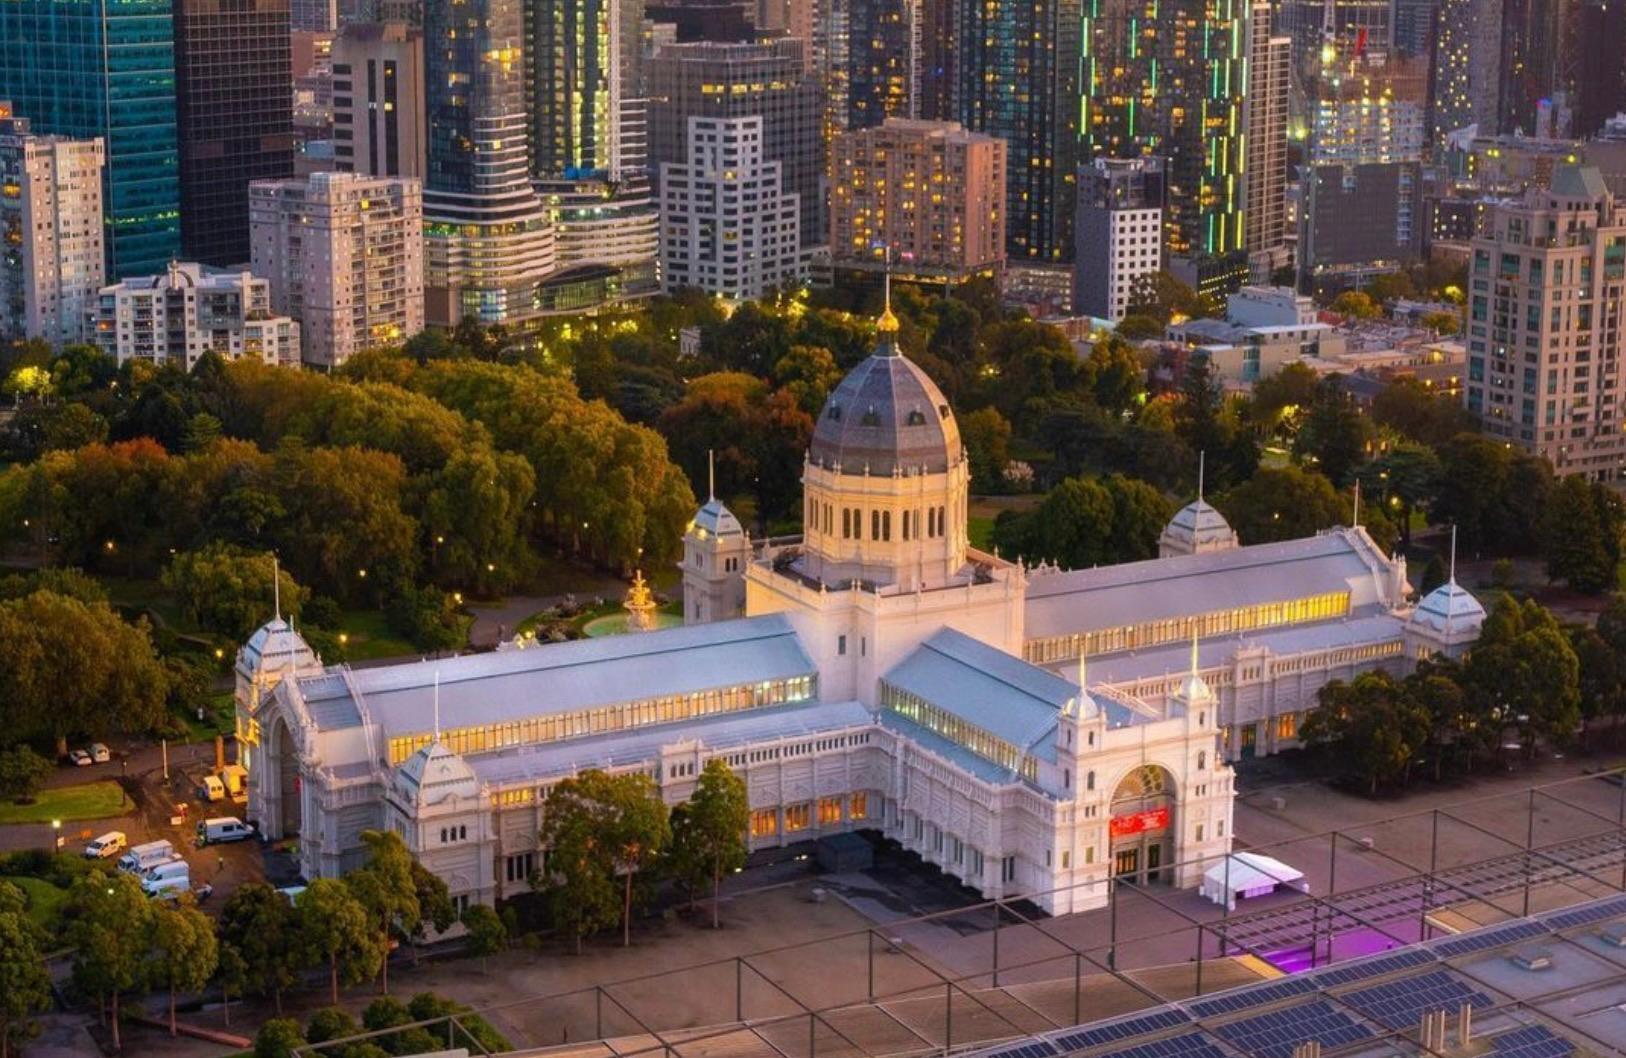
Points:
(1490, 938)
(1532, 1041)
(1276, 1034)
(1191, 1045)
(1166, 1018)
(1399, 1005)
(1580, 916)
(1333, 976)
(1252, 996)
(1026, 1049)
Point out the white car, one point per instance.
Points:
(99, 753)
(80, 759)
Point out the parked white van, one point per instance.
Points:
(164, 871)
(167, 886)
(144, 857)
(109, 844)
(222, 829)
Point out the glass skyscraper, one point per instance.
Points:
(1016, 76)
(487, 241)
(1168, 78)
(87, 68)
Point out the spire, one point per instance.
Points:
(1357, 516)
(276, 588)
(711, 474)
(1082, 674)
(1202, 460)
(1453, 576)
(437, 705)
(1193, 653)
(887, 325)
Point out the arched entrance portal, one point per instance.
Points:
(288, 792)
(1142, 826)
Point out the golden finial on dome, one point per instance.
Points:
(888, 323)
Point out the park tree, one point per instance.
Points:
(1582, 535)
(598, 827)
(1444, 324)
(110, 929)
(1280, 399)
(184, 951)
(22, 773)
(1377, 727)
(808, 373)
(1524, 673)
(1357, 304)
(231, 974)
(1114, 376)
(708, 830)
(25, 986)
(336, 932)
(330, 1023)
(1420, 413)
(388, 893)
(487, 936)
(1139, 327)
(1406, 477)
(1207, 423)
(229, 590)
(987, 436)
(1334, 433)
(1162, 297)
(261, 926)
(278, 1038)
(1282, 503)
(346, 526)
(435, 908)
(1599, 678)
(68, 667)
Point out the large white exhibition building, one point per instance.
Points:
(878, 674)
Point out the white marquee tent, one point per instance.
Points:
(1248, 874)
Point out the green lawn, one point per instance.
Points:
(982, 532)
(368, 635)
(44, 900)
(92, 800)
(218, 719)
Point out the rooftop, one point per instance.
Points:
(1134, 593)
(886, 417)
(988, 688)
(481, 689)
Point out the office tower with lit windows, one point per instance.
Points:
(1545, 330)
(1537, 50)
(1466, 71)
(1349, 27)
(344, 255)
(1016, 77)
(1120, 233)
(728, 226)
(51, 255)
(883, 62)
(715, 80)
(930, 195)
(487, 241)
(234, 108)
(1168, 78)
(1414, 26)
(92, 70)
(378, 100)
(314, 16)
(582, 77)
(1265, 121)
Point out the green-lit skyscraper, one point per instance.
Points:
(1168, 78)
(86, 68)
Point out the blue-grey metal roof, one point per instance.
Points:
(1129, 666)
(564, 677)
(519, 764)
(1138, 592)
(951, 751)
(988, 688)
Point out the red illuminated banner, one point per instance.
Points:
(1139, 822)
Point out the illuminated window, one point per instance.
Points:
(764, 823)
(829, 811)
(1287, 726)
(798, 817)
(858, 805)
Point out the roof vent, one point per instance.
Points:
(1532, 958)
(916, 418)
(1614, 933)
(872, 417)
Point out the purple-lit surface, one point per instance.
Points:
(1349, 945)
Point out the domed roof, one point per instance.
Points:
(1450, 607)
(1200, 521)
(435, 773)
(276, 645)
(886, 416)
(716, 519)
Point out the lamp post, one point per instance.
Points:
(56, 834)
